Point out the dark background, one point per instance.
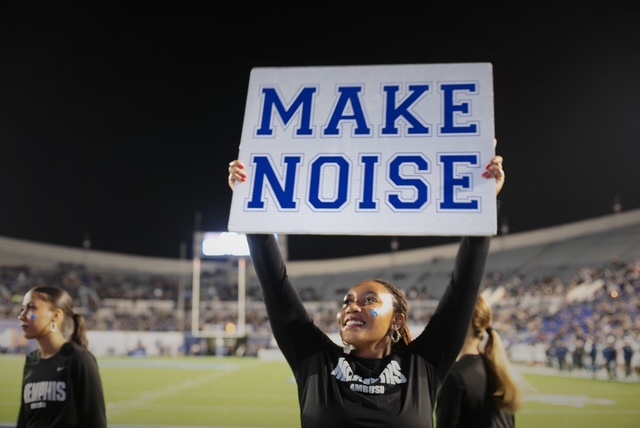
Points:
(117, 124)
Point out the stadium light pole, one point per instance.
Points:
(195, 287)
(212, 244)
(181, 310)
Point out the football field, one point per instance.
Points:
(251, 393)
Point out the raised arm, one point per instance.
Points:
(444, 336)
(292, 326)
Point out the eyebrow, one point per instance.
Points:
(365, 294)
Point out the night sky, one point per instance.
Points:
(117, 125)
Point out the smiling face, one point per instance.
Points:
(35, 316)
(366, 317)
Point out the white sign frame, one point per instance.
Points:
(393, 150)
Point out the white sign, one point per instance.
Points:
(367, 150)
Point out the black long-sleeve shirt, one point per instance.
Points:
(64, 391)
(336, 389)
(466, 398)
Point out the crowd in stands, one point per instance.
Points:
(581, 322)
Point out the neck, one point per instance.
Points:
(50, 345)
(379, 350)
(470, 347)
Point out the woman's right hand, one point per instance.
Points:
(236, 173)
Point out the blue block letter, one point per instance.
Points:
(271, 99)
(342, 187)
(263, 173)
(348, 95)
(451, 109)
(368, 203)
(421, 187)
(393, 112)
(450, 182)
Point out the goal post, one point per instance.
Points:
(221, 245)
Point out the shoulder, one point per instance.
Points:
(77, 353)
(469, 365)
(469, 360)
(71, 348)
(33, 357)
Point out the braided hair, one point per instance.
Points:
(400, 306)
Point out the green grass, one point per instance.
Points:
(247, 392)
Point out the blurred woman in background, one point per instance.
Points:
(480, 390)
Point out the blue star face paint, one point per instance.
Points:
(374, 313)
(34, 317)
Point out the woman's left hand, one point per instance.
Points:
(494, 170)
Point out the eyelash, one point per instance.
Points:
(367, 301)
(27, 308)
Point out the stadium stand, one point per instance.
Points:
(557, 292)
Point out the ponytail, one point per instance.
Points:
(507, 393)
(79, 332)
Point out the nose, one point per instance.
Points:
(354, 307)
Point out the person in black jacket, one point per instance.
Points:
(480, 391)
(610, 354)
(381, 377)
(61, 383)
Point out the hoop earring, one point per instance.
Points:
(395, 335)
(54, 327)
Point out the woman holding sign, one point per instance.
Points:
(381, 378)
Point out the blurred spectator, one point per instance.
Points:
(610, 355)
